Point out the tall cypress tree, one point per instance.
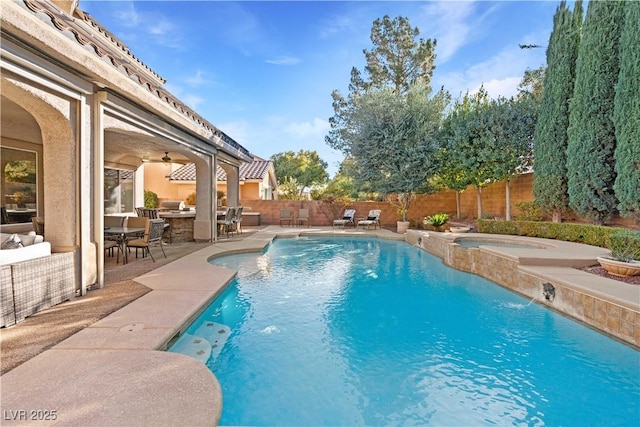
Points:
(550, 138)
(627, 116)
(592, 141)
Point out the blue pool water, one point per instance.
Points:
(340, 331)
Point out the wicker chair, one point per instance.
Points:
(152, 236)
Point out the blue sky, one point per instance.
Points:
(263, 72)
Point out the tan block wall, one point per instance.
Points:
(493, 202)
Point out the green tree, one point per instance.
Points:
(306, 168)
(396, 61)
(511, 126)
(387, 123)
(396, 144)
(452, 174)
(289, 189)
(592, 141)
(343, 184)
(469, 141)
(532, 84)
(550, 138)
(627, 117)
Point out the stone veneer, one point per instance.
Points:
(181, 228)
(574, 297)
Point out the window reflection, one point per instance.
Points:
(18, 187)
(118, 191)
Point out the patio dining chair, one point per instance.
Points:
(237, 220)
(112, 243)
(152, 236)
(153, 213)
(286, 216)
(303, 217)
(226, 224)
(347, 218)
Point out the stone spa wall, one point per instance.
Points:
(564, 288)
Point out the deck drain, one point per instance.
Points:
(132, 327)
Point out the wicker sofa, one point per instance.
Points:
(33, 279)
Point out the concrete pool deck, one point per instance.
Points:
(115, 372)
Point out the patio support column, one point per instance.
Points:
(98, 178)
(233, 184)
(204, 224)
(87, 256)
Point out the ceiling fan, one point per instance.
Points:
(166, 159)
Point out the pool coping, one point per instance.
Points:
(116, 372)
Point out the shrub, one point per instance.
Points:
(529, 211)
(150, 199)
(488, 215)
(625, 245)
(190, 199)
(594, 235)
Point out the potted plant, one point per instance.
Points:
(402, 207)
(436, 221)
(625, 254)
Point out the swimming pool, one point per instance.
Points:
(356, 331)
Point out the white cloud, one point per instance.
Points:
(303, 130)
(161, 27)
(283, 60)
(199, 79)
(127, 15)
(500, 73)
(506, 87)
(448, 22)
(335, 26)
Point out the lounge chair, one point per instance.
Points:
(286, 216)
(372, 219)
(347, 218)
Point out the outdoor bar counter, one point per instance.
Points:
(181, 224)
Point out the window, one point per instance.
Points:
(118, 191)
(19, 185)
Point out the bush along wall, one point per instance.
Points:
(594, 235)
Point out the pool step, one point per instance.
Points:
(216, 334)
(194, 346)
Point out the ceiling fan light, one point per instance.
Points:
(166, 157)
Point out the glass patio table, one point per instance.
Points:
(121, 234)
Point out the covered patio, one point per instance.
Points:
(88, 114)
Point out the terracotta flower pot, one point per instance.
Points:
(620, 268)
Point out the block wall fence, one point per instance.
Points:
(493, 202)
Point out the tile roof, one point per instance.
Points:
(257, 169)
(87, 31)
